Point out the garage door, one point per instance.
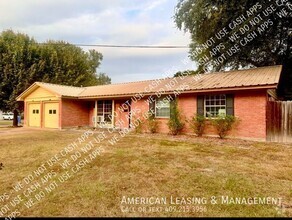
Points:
(51, 115)
(34, 117)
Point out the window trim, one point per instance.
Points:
(104, 113)
(205, 105)
(155, 108)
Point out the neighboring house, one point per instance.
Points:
(242, 93)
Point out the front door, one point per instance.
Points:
(104, 113)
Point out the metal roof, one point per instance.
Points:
(262, 77)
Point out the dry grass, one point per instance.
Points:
(5, 123)
(151, 166)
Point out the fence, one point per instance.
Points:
(279, 121)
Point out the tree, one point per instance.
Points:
(213, 23)
(67, 64)
(103, 79)
(186, 73)
(24, 61)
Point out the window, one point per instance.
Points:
(104, 108)
(215, 105)
(35, 111)
(162, 108)
(52, 111)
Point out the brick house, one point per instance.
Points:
(242, 93)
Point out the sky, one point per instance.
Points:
(118, 22)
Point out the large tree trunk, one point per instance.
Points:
(15, 114)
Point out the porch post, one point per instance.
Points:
(95, 114)
(113, 113)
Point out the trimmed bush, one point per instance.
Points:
(223, 124)
(152, 124)
(175, 123)
(198, 124)
(137, 123)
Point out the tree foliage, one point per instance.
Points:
(218, 20)
(186, 73)
(24, 61)
(103, 79)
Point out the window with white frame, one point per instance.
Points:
(215, 105)
(162, 108)
(104, 110)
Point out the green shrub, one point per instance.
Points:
(198, 123)
(175, 123)
(137, 123)
(223, 124)
(152, 124)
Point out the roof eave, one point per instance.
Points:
(69, 97)
(27, 91)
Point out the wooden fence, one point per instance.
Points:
(279, 121)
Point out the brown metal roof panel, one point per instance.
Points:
(238, 78)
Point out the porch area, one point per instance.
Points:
(115, 113)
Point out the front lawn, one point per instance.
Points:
(140, 167)
(6, 123)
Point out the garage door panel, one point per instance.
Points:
(34, 115)
(51, 115)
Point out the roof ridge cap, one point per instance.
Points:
(123, 83)
(77, 87)
(236, 70)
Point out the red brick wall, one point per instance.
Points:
(121, 116)
(139, 111)
(91, 106)
(142, 107)
(250, 108)
(74, 113)
(187, 105)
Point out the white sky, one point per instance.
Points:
(120, 22)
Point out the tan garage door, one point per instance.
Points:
(51, 115)
(34, 117)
